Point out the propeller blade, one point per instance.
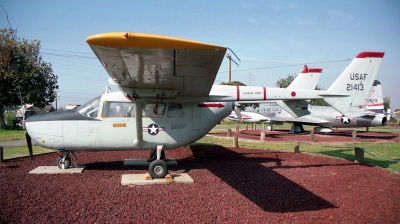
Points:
(238, 114)
(29, 142)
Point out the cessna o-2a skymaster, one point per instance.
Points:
(166, 99)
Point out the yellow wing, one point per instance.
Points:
(146, 62)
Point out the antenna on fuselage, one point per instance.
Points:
(107, 89)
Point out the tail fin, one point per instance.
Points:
(356, 81)
(374, 102)
(307, 79)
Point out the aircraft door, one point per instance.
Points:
(154, 123)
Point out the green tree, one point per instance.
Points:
(319, 102)
(242, 106)
(285, 82)
(24, 76)
(386, 103)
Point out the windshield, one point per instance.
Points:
(91, 108)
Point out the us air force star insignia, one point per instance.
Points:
(153, 129)
(345, 120)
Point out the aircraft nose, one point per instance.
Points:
(52, 116)
(49, 124)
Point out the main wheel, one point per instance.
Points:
(269, 128)
(65, 164)
(153, 155)
(158, 169)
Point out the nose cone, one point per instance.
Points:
(41, 125)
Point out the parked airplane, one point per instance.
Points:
(307, 79)
(166, 98)
(325, 117)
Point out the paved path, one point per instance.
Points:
(15, 143)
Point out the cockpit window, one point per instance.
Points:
(153, 110)
(118, 109)
(91, 108)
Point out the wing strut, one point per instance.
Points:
(139, 126)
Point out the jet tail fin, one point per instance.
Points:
(307, 79)
(356, 81)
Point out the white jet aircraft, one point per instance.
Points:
(166, 98)
(307, 79)
(325, 117)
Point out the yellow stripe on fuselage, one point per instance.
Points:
(142, 40)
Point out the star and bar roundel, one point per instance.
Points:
(153, 129)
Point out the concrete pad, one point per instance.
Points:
(140, 179)
(143, 162)
(56, 170)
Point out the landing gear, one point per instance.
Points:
(158, 167)
(64, 162)
(153, 155)
(270, 128)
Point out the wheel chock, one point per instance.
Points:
(168, 177)
(147, 176)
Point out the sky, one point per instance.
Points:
(272, 38)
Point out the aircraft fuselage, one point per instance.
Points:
(109, 123)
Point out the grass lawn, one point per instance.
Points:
(381, 151)
(287, 126)
(389, 151)
(11, 134)
(15, 152)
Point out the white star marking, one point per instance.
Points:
(153, 129)
(345, 120)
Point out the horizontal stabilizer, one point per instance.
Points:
(296, 108)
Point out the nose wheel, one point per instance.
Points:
(158, 167)
(63, 163)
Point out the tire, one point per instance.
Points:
(269, 128)
(158, 169)
(153, 155)
(67, 162)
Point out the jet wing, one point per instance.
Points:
(308, 119)
(154, 66)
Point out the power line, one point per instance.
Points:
(282, 66)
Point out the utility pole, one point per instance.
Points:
(230, 64)
(55, 93)
(250, 79)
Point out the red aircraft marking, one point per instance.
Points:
(219, 105)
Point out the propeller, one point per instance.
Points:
(29, 142)
(237, 111)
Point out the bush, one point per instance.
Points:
(10, 117)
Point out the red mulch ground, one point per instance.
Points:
(336, 136)
(231, 185)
